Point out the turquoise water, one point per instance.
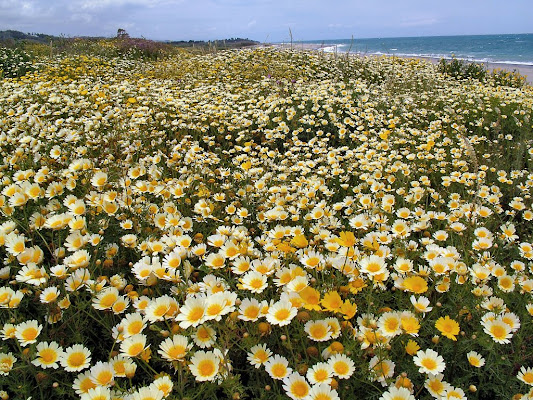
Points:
(511, 49)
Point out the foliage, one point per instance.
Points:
(15, 62)
(462, 69)
(508, 78)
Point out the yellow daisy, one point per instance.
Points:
(448, 327)
(415, 284)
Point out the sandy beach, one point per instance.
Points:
(524, 70)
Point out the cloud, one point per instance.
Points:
(82, 17)
(26, 9)
(257, 19)
(339, 26)
(419, 22)
(104, 4)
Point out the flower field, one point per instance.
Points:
(264, 224)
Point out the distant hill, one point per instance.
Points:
(10, 36)
(224, 43)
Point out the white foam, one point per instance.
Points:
(330, 49)
(449, 57)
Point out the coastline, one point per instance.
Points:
(524, 70)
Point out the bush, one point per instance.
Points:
(461, 69)
(15, 63)
(140, 48)
(508, 78)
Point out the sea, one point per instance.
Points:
(505, 49)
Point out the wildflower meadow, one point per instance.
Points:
(262, 224)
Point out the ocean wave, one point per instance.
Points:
(448, 56)
(481, 49)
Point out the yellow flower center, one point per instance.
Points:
(19, 247)
(48, 356)
(108, 300)
(176, 352)
(341, 368)
(87, 384)
(528, 377)
(391, 325)
(135, 327)
(251, 312)
(120, 368)
(196, 313)
(313, 261)
(214, 309)
(174, 262)
(206, 368)
(282, 314)
(76, 359)
(498, 331)
(218, 262)
(279, 370)
(135, 349)
(373, 267)
(104, 377)
(256, 283)
(300, 389)
(261, 356)
(321, 375)
(429, 364)
(160, 310)
(232, 251)
(318, 331)
(263, 269)
(30, 333)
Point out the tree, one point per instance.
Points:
(122, 34)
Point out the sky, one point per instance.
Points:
(267, 20)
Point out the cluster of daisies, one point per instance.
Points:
(262, 223)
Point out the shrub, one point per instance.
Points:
(15, 63)
(461, 69)
(508, 78)
(140, 48)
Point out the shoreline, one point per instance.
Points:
(524, 70)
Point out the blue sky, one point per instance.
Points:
(267, 20)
